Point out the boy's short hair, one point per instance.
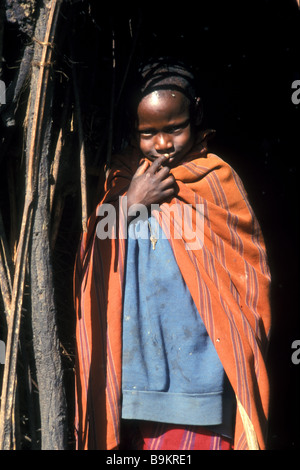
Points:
(164, 73)
(167, 74)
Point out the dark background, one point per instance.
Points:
(247, 55)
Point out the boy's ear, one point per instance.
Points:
(198, 111)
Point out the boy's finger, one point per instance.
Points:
(163, 172)
(157, 163)
(142, 168)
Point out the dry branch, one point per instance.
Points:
(84, 206)
(5, 270)
(9, 377)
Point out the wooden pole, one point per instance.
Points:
(9, 376)
(82, 157)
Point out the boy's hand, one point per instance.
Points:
(151, 184)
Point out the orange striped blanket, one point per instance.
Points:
(228, 278)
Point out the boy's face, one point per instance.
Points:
(164, 126)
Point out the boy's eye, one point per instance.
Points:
(175, 129)
(146, 134)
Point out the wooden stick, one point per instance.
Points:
(9, 376)
(58, 149)
(84, 205)
(133, 48)
(5, 270)
(112, 103)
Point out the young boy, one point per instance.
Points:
(172, 307)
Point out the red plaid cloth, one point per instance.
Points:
(161, 436)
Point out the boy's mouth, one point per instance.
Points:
(169, 156)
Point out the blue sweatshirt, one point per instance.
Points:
(170, 369)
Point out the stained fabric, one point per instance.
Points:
(170, 369)
(161, 436)
(225, 270)
(155, 436)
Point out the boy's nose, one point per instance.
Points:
(163, 142)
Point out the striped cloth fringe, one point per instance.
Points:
(229, 281)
